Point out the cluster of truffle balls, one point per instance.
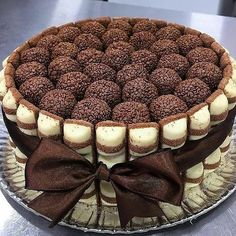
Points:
(121, 70)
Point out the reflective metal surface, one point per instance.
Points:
(19, 20)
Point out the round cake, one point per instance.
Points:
(120, 90)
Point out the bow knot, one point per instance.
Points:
(103, 172)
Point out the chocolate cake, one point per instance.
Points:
(127, 98)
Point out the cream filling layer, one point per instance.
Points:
(25, 115)
(219, 105)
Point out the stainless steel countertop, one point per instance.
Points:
(21, 19)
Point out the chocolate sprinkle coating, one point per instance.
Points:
(131, 112)
(142, 40)
(192, 91)
(131, 72)
(29, 70)
(40, 55)
(114, 35)
(168, 32)
(120, 24)
(116, 59)
(105, 90)
(68, 34)
(35, 88)
(94, 28)
(165, 80)
(188, 42)
(166, 105)
(58, 102)
(207, 72)
(75, 82)
(139, 90)
(122, 46)
(49, 42)
(65, 49)
(98, 71)
(164, 47)
(145, 25)
(90, 55)
(176, 62)
(60, 66)
(85, 41)
(145, 57)
(92, 110)
(201, 54)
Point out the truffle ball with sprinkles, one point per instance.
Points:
(145, 57)
(35, 88)
(84, 41)
(176, 62)
(131, 72)
(105, 90)
(49, 42)
(58, 102)
(60, 66)
(201, 54)
(131, 112)
(166, 105)
(192, 91)
(145, 25)
(99, 71)
(75, 82)
(207, 72)
(40, 55)
(68, 33)
(142, 40)
(116, 59)
(122, 46)
(139, 90)
(120, 24)
(164, 47)
(114, 35)
(168, 32)
(165, 80)
(92, 110)
(94, 28)
(29, 70)
(65, 49)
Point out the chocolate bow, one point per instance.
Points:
(64, 176)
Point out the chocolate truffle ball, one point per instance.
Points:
(201, 54)
(92, 110)
(75, 82)
(145, 25)
(188, 42)
(192, 91)
(164, 47)
(131, 112)
(122, 25)
(207, 72)
(88, 56)
(59, 102)
(116, 59)
(65, 49)
(165, 80)
(68, 33)
(131, 72)
(114, 35)
(174, 61)
(105, 90)
(145, 57)
(35, 88)
(168, 32)
(94, 28)
(166, 105)
(60, 66)
(49, 42)
(29, 70)
(85, 41)
(142, 40)
(40, 55)
(139, 90)
(98, 71)
(122, 46)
